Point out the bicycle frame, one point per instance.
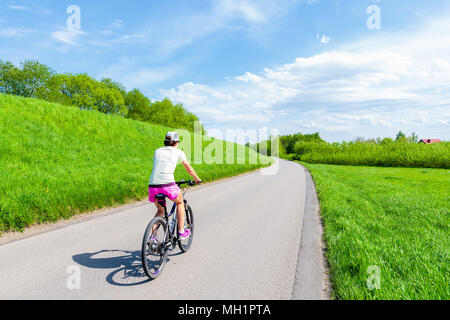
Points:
(172, 234)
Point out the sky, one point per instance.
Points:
(346, 69)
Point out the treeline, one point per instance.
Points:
(35, 80)
(286, 144)
(403, 151)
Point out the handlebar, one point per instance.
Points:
(190, 182)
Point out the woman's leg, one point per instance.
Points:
(159, 213)
(160, 209)
(180, 212)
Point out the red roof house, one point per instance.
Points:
(429, 141)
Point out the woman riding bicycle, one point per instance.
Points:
(162, 180)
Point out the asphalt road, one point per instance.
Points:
(247, 245)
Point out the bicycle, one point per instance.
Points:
(161, 235)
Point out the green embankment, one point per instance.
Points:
(391, 220)
(58, 161)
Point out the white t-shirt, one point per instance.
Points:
(164, 163)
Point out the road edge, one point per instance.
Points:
(312, 274)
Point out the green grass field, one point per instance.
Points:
(58, 161)
(411, 155)
(396, 219)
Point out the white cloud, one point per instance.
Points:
(17, 7)
(68, 36)
(248, 16)
(123, 39)
(15, 32)
(117, 24)
(177, 33)
(130, 38)
(250, 11)
(403, 79)
(113, 28)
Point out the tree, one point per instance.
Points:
(138, 105)
(111, 84)
(86, 93)
(109, 100)
(69, 89)
(27, 81)
(414, 138)
(288, 142)
(174, 116)
(401, 137)
(35, 77)
(386, 141)
(7, 75)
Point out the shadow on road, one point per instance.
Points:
(127, 264)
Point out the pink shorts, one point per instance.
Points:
(171, 192)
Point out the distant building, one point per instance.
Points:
(429, 141)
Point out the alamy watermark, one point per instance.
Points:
(374, 279)
(74, 20)
(73, 282)
(374, 20)
(228, 146)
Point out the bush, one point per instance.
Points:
(289, 141)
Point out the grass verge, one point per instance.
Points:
(391, 220)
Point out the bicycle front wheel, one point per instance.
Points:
(153, 248)
(185, 245)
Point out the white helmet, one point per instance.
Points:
(172, 137)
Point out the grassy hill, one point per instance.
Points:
(58, 161)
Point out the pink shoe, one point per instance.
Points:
(184, 235)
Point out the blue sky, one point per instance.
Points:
(291, 65)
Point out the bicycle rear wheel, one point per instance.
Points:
(153, 248)
(185, 245)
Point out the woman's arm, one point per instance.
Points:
(191, 171)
